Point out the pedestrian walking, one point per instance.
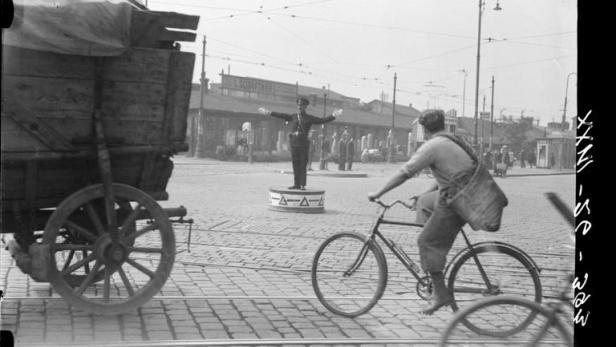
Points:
(350, 153)
(298, 138)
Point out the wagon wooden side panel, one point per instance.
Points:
(47, 106)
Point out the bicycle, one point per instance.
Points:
(547, 328)
(349, 270)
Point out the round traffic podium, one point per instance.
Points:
(296, 200)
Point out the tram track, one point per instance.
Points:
(321, 238)
(298, 342)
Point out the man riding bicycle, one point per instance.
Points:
(452, 168)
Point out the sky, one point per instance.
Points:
(354, 47)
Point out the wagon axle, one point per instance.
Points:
(110, 253)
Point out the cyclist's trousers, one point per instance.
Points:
(441, 227)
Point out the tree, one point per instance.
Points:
(515, 133)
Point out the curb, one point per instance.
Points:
(327, 173)
(539, 174)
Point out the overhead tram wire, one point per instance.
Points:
(371, 25)
(252, 12)
(430, 57)
(348, 80)
(263, 64)
(310, 70)
(506, 40)
(302, 39)
(533, 61)
(544, 35)
(248, 50)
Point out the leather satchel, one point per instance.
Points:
(481, 201)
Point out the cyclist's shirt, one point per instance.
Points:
(448, 161)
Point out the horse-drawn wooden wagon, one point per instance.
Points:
(86, 146)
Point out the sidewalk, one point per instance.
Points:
(519, 172)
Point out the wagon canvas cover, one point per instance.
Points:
(78, 27)
(62, 62)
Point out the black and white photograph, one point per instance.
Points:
(297, 173)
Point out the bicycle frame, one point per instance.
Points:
(402, 257)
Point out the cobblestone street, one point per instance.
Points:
(247, 274)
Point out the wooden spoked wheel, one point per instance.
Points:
(132, 256)
(71, 235)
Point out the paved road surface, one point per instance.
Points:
(253, 263)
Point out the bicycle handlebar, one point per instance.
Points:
(386, 206)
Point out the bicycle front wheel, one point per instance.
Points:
(349, 274)
(494, 269)
(495, 313)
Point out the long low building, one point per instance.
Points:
(227, 106)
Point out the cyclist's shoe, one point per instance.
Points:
(438, 304)
(442, 296)
(293, 187)
(302, 187)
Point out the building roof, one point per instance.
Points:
(301, 90)
(248, 107)
(400, 108)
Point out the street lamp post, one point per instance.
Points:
(497, 8)
(390, 157)
(492, 115)
(201, 134)
(322, 152)
(464, 93)
(566, 92)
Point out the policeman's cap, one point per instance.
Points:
(302, 101)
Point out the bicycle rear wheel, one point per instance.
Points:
(497, 322)
(349, 274)
(505, 269)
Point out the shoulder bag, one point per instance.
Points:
(481, 201)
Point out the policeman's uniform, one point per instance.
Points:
(298, 139)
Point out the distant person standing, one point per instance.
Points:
(487, 159)
(311, 149)
(333, 148)
(532, 159)
(326, 150)
(350, 153)
(298, 138)
(342, 152)
(506, 157)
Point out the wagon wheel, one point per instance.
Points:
(125, 266)
(89, 213)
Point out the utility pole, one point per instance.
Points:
(393, 124)
(492, 115)
(322, 153)
(483, 137)
(201, 138)
(566, 92)
(477, 73)
(464, 94)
